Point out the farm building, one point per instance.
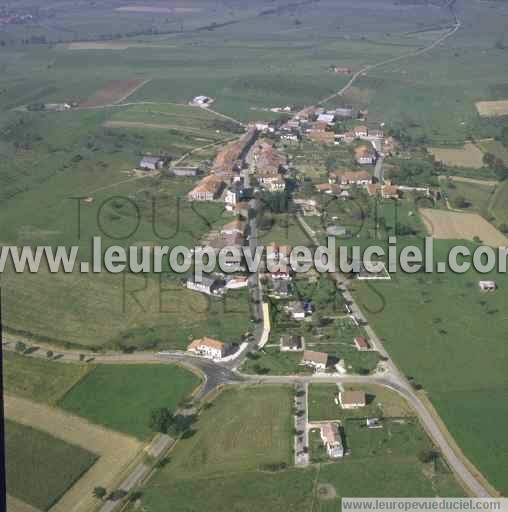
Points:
(290, 342)
(208, 347)
(316, 360)
(487, 286)
(201, 101)
(352, 399)
(151, 163)
(360, 131)
(326, 118)
(344, 112)
(185, 171)
(330, 435)
(279, 289)
(207, 284)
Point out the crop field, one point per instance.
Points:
(447, 225)
(39, 467)
(450, 315)
(492, 108)
(122, 397)
(38, 379)
(114, 450)
(468, 156)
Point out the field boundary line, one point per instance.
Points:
(115, 450)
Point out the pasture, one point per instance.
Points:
(450, 315)
(121, 397)
(446, 225)
(242, 430)
(468, 195)
(39, 467)
(39, 379)
(499, 206)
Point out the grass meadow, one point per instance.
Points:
(244, 430)
(38, 379)
(39, 467)
(121, 397)
(434, 326)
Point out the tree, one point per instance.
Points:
(504, 136)
(161, 420)
(462, 202)
(49, 354)
(427, 456)
(99, 493)
(489, 159)
(20, 347)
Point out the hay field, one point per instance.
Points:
(492, 108)
(468, 156)
(115, 450)
(447, 225)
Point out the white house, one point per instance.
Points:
(296, 310)
(330, 435)
(208, 347)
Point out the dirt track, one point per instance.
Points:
(445, 225)
(115, 450)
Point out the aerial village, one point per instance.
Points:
(307, 323)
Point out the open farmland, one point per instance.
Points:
(256, 433)
(468, 156)
(500, 204)
(38, 379)
(114, 450)
(450, 315)
(113, 92)
(492, 108)
(445, 225)
(39, 467)
(121, 397)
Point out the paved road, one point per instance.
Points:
(379, 172)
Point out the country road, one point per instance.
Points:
(391, 60)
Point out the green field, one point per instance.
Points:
(469, 196)
(38, 379)
(450, 315)
(499, 207)
(380, 403)
(122, 397)
(245, 430)
(39, 467)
